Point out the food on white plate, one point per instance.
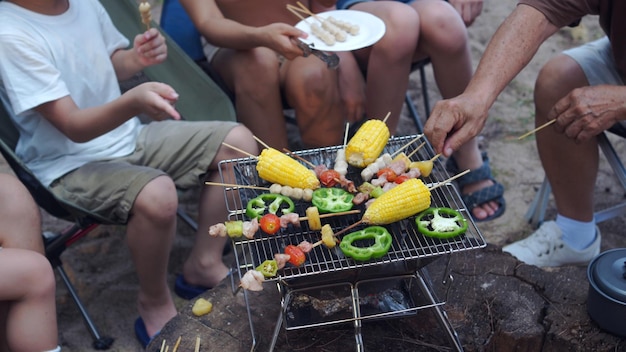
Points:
(322, 34)
(351, 28)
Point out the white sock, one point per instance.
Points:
(576, 234)
(58, 349)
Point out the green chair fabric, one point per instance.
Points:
(200, 97)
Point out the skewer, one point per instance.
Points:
(176, 344)
(345, 134)
(408, 144)
(536, 129)
(197, 344)
(261, 142)
(235, 185)
(350, 227)
(296, 12)
(435, 157)
(386, 117)
(416, 150)
(299, 158)
(449, 180)
(162, 346)
(327, 215)
(239, 150)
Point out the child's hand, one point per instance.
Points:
(156, 100)
(150, 47)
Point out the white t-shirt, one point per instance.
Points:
(44, 58)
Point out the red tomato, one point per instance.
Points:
(329, 178)
(296, 255)
(270, 223)
(389, 174)
(401, 179)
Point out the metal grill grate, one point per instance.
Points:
(408, 243)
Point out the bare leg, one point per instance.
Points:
(312, 90)
(204, 267)
(254, 78)
(28, 282)
(570, 167)
(27, 278)
(444, 39)
(388, 62)
(150, 234)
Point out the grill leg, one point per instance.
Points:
(441, 315)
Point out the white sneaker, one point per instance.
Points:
(545, 248)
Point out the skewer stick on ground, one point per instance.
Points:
(235, 185)
(239, 150)
(536, 130)
(176, 344)
(408, 144)
(197, 349)
(162, 346)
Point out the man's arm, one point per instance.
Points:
(455, 121)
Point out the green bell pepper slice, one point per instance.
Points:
(332, 200)
(441, 223)
(270, 202)
(382, 242)
(268, 268)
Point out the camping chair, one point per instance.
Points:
(536, 212)
(199, 97)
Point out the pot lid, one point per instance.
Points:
(608, 272)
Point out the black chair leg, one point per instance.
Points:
(99, 342)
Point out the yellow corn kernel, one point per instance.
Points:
(406, 199)
(274, 166)
(367, 143)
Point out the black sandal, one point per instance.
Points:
(494, 192)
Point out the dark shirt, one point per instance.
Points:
(612, 20)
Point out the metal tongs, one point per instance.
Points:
(331, 60)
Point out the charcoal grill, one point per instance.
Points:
(331, 288)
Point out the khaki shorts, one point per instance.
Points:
(184, 150)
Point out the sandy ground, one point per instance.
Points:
(100, 267)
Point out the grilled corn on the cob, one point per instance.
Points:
(274, 166)
(367, 143)
(404, 200)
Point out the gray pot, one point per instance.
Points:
(606, 303)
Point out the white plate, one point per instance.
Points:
(371, 29)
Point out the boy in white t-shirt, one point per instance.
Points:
(60, 62)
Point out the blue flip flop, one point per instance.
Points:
(187, 291)
(142, 334)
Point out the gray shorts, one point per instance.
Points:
(184, 150)
(596, 60)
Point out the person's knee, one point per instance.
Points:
(402, 28)
(555, 79)
(42, 282)
(241, 137)
(443, 28)
(254, 69)
(157, 201)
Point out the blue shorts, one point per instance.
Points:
(346, 4)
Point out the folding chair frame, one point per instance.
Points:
(536, 211)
